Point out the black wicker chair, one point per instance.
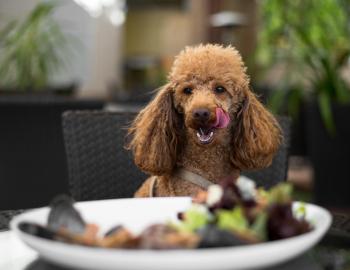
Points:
(98, 165)
(100, 168)
(277, 171)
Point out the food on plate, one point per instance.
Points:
(228, 214)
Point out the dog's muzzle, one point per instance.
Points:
(205, 129)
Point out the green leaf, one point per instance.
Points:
(324, 103)
(276, 100)
(311, 50)
(234, 220)
(32, 50)
(4, 33)
(280, 194)
(294, 102)
(194, 218)
(259, 226)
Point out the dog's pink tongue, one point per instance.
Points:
(222, 118)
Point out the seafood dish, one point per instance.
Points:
(227, 214)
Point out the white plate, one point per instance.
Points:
(136, 214)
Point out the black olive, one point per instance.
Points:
(180, 216)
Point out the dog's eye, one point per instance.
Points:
(220, 89)
(187, 90)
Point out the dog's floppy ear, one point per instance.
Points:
(256, 135)
(155, 135)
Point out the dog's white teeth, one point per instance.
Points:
(205, 138)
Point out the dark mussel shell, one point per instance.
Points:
(47, 233)
(64, 215)
(211, 237)
(113, 230)
(37, 230)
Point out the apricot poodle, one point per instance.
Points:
(204, 125)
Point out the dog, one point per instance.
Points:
(203, 125)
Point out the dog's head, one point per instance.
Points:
(208, 101)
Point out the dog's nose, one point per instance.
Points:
(201, 114)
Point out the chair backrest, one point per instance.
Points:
(277, 171)
(100, 168)
(98, 165)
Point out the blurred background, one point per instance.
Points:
(109, 54)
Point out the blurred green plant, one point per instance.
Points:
(31, 50)
(310, 40)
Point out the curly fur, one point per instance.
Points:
(163, 135)
(156, 132)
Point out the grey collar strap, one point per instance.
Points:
(152, 187)
(192, 178)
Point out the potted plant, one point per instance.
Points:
(309, 42)
(31, 51)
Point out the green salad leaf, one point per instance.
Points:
(194, 218)
(246, 222)
(259, 226)
(232, 220)
(280, 194)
